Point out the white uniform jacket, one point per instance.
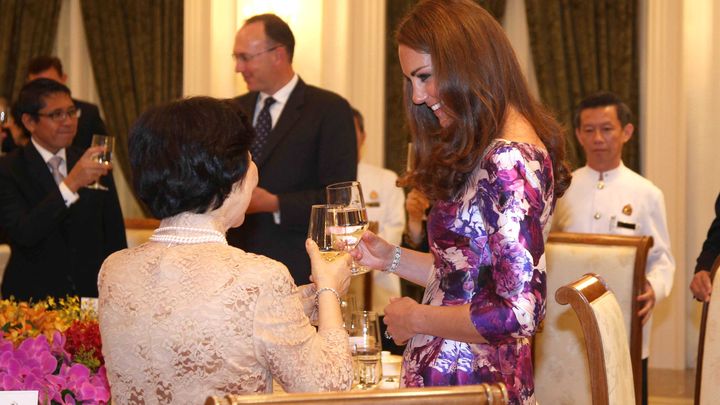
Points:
(621, 202)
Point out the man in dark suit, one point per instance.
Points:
(59, 231)
(305, 141)
(89, 123)
(701, 285)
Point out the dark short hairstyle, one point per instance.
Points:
(31, 99)
(604, 99)
(42, 63)
(359, 118)
(276, 30)
(187, 155)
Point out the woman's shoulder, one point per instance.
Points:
(262, 269)
(507, 151)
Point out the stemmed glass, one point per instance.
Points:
(3, 119)
(347, 218)
(103, 157)
(318, 231)
(366, 348)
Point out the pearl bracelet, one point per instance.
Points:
(332, 290)
(395, 262)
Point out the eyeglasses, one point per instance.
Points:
(245, 58)
(62, 115)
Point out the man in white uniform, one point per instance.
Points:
(608, 198)
(385, 204)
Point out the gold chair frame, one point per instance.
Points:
(482, 394)
(642, 244)
(703, 334)
(580, 294)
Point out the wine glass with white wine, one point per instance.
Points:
(104, 157)
(347, 218)
(318, 231)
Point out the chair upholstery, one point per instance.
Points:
(606, 343)
(482, 394)
(707, 375)
(139, 230)
(559, 348)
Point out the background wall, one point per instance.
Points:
(340, 47)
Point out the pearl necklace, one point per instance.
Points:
(205, 235)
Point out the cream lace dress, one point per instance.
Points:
(180, 322)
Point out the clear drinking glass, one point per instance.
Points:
(104, 157)
(347, 219)
(366, 349)
(4, 112)
(318, 231)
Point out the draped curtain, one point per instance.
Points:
(27, 29)
(582, 46)
(136, 48)
(397, 135)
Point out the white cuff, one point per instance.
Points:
(68, 196)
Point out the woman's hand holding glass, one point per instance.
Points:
(333, 274)
(373, 251)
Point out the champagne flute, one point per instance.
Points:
(103, 157)
(318, 231)
(366, 348)
(347, 218)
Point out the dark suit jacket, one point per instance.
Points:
(56, 250)
(312, 145)
(89, 123)
(711, 247)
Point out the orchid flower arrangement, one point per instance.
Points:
(53, 348)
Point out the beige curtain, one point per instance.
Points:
(136, 48)
(27, 29)
(582, 46)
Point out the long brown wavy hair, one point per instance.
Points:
(478, 78)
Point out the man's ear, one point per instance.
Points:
(628, 132)
(28, 122)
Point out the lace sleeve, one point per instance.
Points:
(298, 356)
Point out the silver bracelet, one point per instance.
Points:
(334, 291)
(395, 262)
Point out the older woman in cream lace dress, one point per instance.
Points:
(185, 315)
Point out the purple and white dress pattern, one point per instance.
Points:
(488, 246)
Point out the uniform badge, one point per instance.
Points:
(373, 195)
(627, 209)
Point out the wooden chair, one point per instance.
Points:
(603, 326)
(482, 394)
(139, 230)
(621, 261)
(707, 374)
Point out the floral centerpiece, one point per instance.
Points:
(53, 347)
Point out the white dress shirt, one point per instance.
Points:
(621, 202)
(68, 196)
(281, 97)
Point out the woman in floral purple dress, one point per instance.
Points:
(492, 160)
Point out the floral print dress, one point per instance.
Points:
(488, 247)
